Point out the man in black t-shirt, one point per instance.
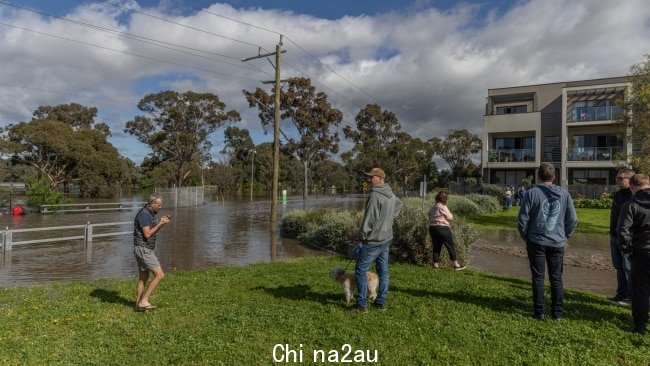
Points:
(144, 240)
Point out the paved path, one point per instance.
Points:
(602, 281)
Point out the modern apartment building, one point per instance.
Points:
(571, 124)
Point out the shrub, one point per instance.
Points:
(39, 193)
(332, 230)
(492, 190)
(335, 230)
(462, 206)
(604, 202)
(485, 203)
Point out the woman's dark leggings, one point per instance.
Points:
(442, 235)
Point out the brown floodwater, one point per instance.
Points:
(237, 232)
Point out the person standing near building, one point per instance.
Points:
(634, 241)
(376, 235)
(547, 218)
(145, 229)
(619, 261)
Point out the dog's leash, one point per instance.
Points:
(357, 250)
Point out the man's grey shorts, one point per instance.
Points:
(146, 258)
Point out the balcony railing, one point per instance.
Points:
(594, 153)
(587, 114)
(512, 155)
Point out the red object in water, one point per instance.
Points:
(17, 210)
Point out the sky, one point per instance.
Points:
(430, 62)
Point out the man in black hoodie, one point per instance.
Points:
(619, 261)
(634, 241)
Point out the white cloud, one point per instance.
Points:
(432, 68)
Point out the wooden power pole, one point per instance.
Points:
(276, 132)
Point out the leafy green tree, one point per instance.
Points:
(410, 160)
(240, 149)
(177, 127)
(312, 118)
(457, 149)
(44, 145)
(635, 122)
(39, 193)
(75, 115)
(373, 135)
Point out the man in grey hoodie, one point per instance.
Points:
(546, 220)
(376, 236)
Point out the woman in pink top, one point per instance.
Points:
(439, 217)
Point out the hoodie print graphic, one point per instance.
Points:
(551, 210)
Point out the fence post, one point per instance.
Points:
(88, 234)
(7, 240)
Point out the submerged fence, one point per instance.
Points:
(79, 232)
(182, 197)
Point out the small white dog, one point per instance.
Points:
(348, 282)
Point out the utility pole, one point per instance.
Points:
(276, 132)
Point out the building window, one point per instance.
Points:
(513, 109)
(590, 176)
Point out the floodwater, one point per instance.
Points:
(214, 234)
(237, 232)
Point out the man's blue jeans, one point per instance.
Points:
(623, 270)
(538, 255)
(367, 255)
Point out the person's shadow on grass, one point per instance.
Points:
(300, 292)
(576, 305)
(110, 296)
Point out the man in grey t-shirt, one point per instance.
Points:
(144, 240)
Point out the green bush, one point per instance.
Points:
(335, 230)
(462, 206)
(39, 193)
(604, 202)
(492, 190)
(486, 203)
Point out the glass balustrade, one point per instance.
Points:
(512, 155)
(594, 153)
(587, 114)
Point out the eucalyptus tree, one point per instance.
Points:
(313, 120)
(373, 134)
(177, 126)
(458, 149)
(635, 122)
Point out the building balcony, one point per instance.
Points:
(512, 156)
(595, 153)
(507, 123)
(594, 114)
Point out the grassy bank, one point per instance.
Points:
(590, 220)
(236, 316)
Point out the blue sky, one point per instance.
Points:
(430, 62)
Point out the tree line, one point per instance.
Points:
(64, 145)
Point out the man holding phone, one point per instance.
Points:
(144, 240)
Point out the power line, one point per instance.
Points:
(148, 40)
(307, 53)
(128, 53)
(124, 101)
(189, 27)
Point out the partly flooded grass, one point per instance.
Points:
(240, 315)
(590, 220)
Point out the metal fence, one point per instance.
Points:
(79, 232)
(182, 197)
(593, 191)
(89, 207)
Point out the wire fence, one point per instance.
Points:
(182, 197)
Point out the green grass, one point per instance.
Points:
(590, 220)
(235, 316)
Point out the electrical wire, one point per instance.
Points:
(128, 53)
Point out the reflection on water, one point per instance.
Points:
(214, 234)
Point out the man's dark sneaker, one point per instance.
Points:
(358, 309)
(460, 268)
(381, 307)
(538, 317)
(616, 298)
